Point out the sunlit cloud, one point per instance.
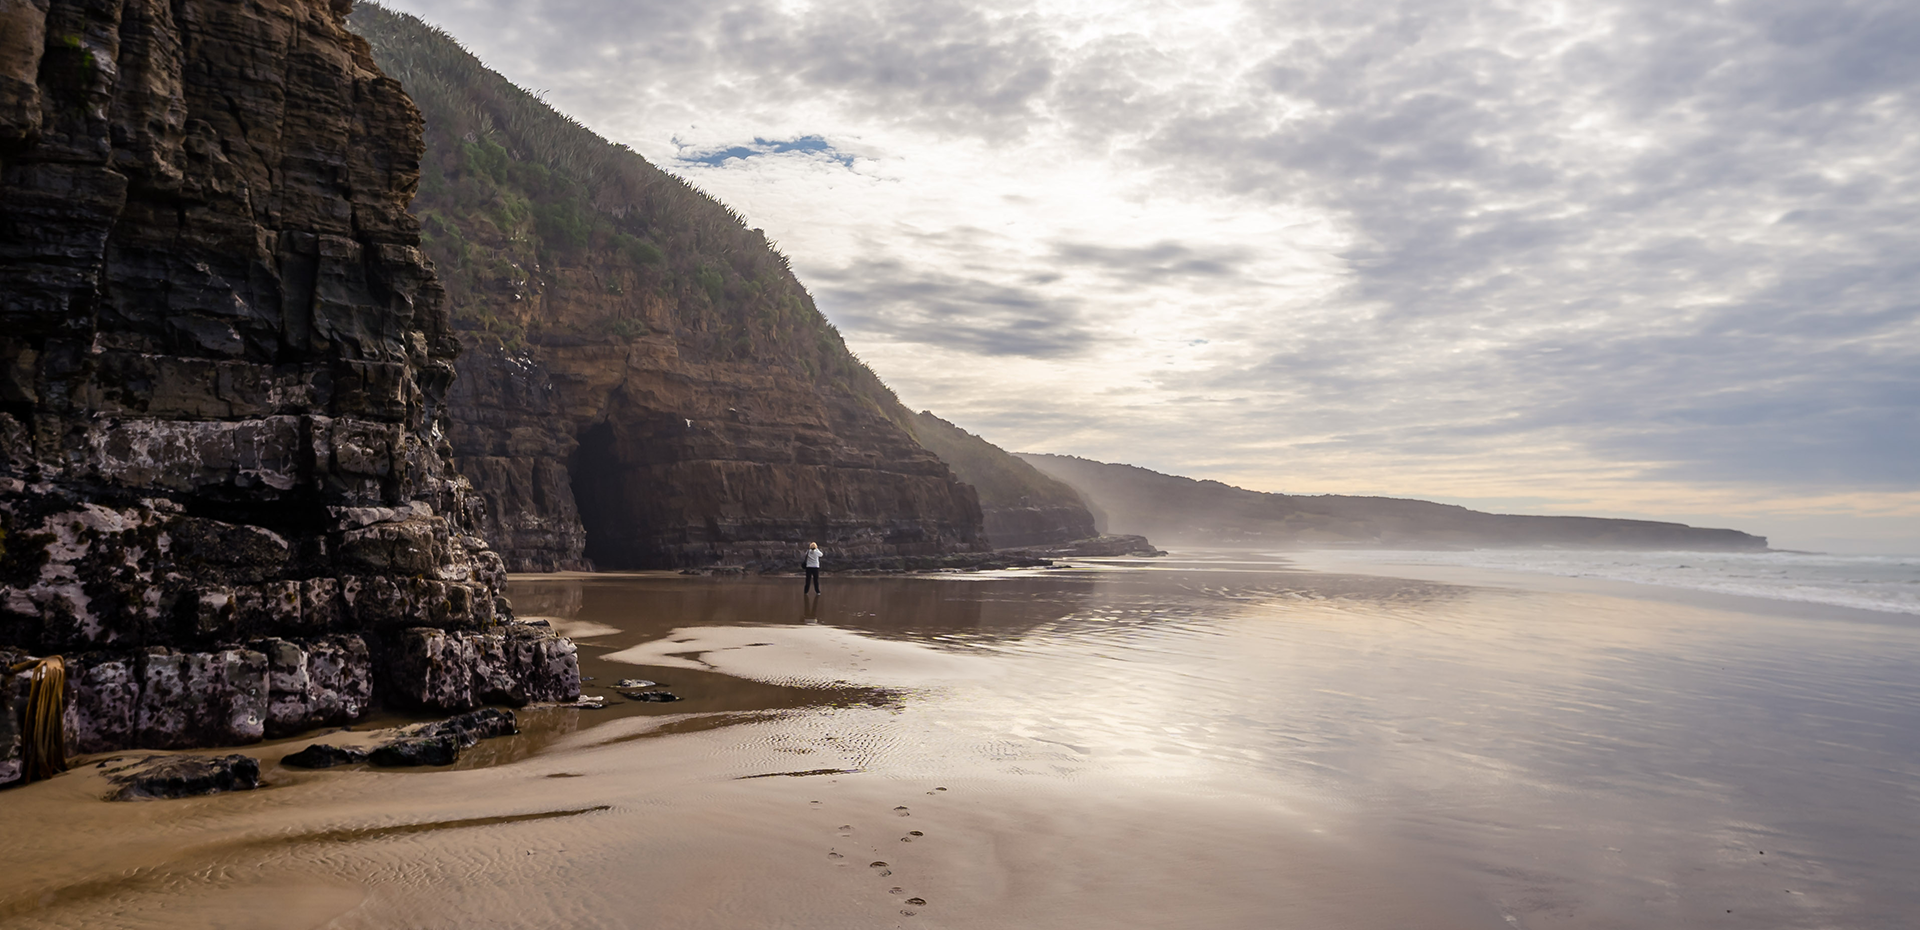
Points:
(1545, 253)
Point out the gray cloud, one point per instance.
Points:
(920, 305)
(1157, 263)
(1674, 231)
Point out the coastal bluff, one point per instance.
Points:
(1021, 506)
(226, 491)
(646, 384)
(1130, 499)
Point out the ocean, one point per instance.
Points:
(1888, 583)
(1211, 739)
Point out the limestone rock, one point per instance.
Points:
(323, 756)
(442, 670)
(422, 744)
(321, 683)
(224, 366)
(440, 749)
(158, 777)
(200, 698)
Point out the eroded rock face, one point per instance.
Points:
(647, 384)
(1011, 526)
(630, 453)
(223, 369)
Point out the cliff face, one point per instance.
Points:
(646, 384)
(225, 490)
(1021, 505)
(630, 454)
(1169, 507)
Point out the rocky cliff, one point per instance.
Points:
(225, 487)
(1022, 507)
(647, 385)
(1208, 513)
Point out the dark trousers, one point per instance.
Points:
(813, 579)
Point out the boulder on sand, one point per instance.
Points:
(158, 777)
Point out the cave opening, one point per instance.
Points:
(600, 498)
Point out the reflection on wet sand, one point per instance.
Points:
(1217, 742)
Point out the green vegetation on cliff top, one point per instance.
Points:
(542, 231)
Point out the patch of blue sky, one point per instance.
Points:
(806, 145)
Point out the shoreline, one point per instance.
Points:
(1104, 767)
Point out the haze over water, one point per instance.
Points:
(1214, 740)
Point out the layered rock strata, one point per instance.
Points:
(632, 453)
(1022, 507)
(647, 384)
(225, 490)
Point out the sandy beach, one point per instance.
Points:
(1211, 742)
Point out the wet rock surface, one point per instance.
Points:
(421, 744)
(417, 750)
(323, 756)
(225, 487)
(900, 565)
(160, 777)
(1106, 546)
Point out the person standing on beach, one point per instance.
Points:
(813, 569)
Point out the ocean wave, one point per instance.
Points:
(1889, 583)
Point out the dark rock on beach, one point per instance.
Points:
(225, 488)
(440, 749)
(323, 756)
(1105, 546)
(159, 777)
(421, 744)
(471, 728)
(651, 697)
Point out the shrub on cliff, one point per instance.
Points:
(520, 203)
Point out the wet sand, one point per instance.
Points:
(1220, 742)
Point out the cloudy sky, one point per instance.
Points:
(1653, 258)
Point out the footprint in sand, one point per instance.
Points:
(915, 833)
(896, 890)
(835, 855)
(902, 810)
(917, 902)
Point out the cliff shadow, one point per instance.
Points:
(600, 495)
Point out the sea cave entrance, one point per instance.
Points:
(600, 495)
